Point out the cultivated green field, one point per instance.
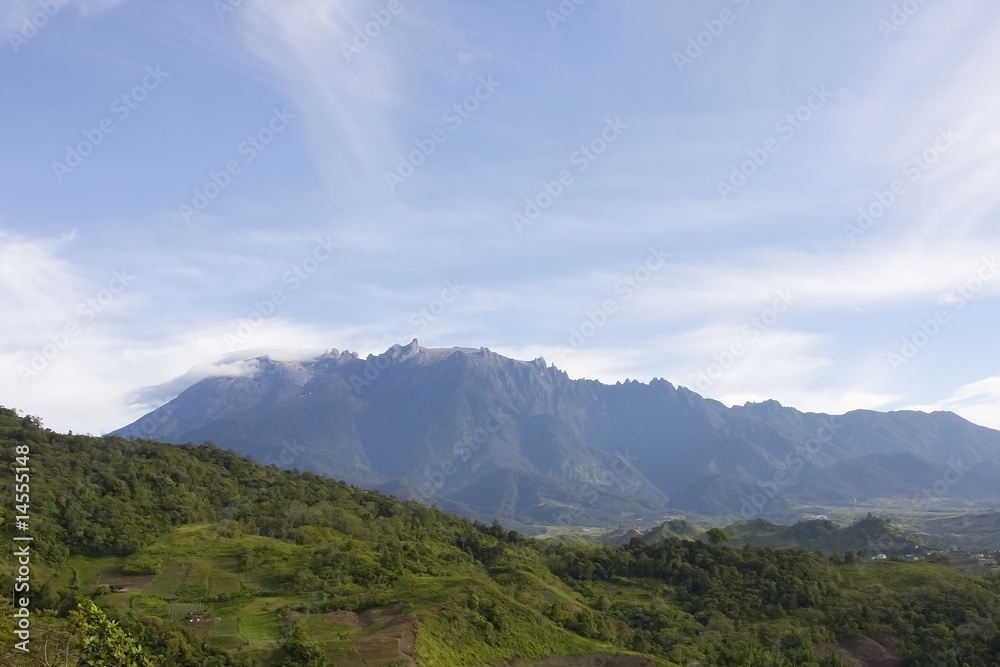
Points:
(203, 571)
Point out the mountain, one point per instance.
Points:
(487, 435)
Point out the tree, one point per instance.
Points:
(299, 651)
(104, 644)
(717, 535)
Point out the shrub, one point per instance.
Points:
(143, 565)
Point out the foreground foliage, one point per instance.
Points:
(228, 562)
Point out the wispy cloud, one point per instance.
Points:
(347, 94)
(13, 13)
(150, 398)
(39, 289)
(978, 402)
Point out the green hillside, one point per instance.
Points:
(678, 528)
(980, 530)
(201, 557)
(870, 535)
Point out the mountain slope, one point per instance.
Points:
(441, 421)
(897, 476)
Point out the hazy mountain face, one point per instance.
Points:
(518, 440)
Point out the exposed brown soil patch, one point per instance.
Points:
(390, 643)
(865, 652)
(345, 618)
(200, 626)
(134, 583)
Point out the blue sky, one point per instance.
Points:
(755, 200)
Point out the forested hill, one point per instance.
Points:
(206, 558)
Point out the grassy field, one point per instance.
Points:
(83, 571)
(201, 572)
(166, 584)
(223, 578)
(226, 634)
